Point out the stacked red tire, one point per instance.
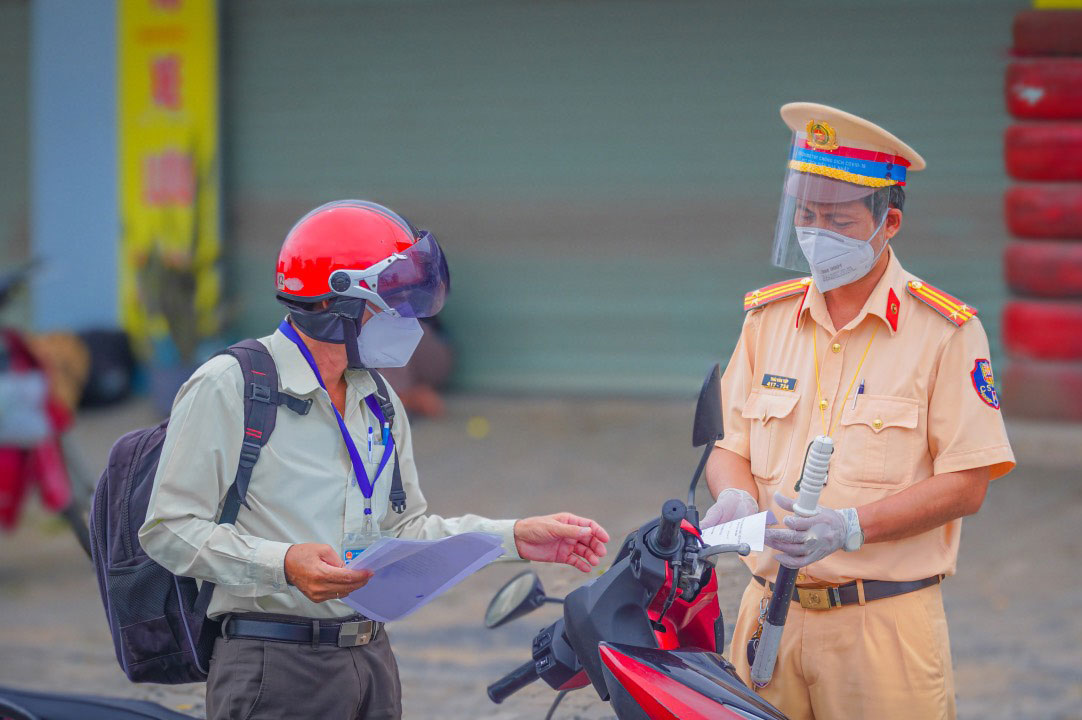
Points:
(1042, 322)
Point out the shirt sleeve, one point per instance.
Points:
(736, 386)
(416, 523)
(965, 425)
(198, 463)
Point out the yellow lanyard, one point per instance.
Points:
(818, 389)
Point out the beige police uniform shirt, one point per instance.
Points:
(920, 415)
(303, 488)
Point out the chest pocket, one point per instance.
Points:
(879, 445)
(770, 416)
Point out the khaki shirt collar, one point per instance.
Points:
(884, 302)
(295, 375)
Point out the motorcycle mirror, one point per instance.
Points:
(708, 424)
(520, 596)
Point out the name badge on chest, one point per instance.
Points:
(779, 382)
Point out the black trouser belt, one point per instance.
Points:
(349, 632)
(848, 594)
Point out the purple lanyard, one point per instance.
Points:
(365, 485)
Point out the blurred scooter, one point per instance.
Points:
(33, 423)
(648, 632)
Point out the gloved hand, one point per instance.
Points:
(808, 539)
(732, 504)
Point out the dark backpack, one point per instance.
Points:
(158, 620)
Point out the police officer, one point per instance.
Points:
(354, 276)
(897, 372)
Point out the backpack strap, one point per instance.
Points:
(398, 495)
(383, 397)
(261, 401)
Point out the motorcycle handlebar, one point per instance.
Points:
(511, 683)
(672, 514)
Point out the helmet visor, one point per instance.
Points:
(417, 284)
(843, 190)
(413, 282)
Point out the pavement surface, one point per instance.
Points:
(1014, 607)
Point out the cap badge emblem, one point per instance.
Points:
(821, 136)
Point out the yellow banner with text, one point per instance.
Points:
(169, 174)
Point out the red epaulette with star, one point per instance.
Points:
(777, 291)
(946, 305)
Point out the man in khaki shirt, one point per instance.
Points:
(897, 373)
(279, 569)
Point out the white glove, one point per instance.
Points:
(809, 539)
(732, 504)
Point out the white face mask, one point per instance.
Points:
(386, 341)
(837, 259)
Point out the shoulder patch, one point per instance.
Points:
(777, 291)
(946, 305)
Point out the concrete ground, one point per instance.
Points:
(1014, 607)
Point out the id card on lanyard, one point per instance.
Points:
(352, 543)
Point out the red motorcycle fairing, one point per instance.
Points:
(651, 684)
(687, 625)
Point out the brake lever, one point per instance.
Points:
(709, 554)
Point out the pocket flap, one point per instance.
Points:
(764, 406)
(879, 412)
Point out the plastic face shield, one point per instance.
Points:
(412, 283)
(839, 189)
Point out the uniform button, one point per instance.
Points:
(823, 404)
(877, 423)
(836, 347)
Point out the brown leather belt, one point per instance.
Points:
(835, 596)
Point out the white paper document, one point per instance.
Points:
(750, 530)
(407, 574)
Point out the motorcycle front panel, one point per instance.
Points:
(653, 684)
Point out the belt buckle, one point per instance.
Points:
(352, 634)
(815, 598)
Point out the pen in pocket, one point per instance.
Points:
(860, 391)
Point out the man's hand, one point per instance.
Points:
(320, 574)
(561, 538)
(732, 504)
(808, 539)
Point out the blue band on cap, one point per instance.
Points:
(857, 166)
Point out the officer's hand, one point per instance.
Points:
(807, 539)
(561, 538)
(732, 504)
(320, 574)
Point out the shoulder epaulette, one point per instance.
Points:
(777, 291)
(946, 305)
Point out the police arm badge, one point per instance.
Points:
(984, 383)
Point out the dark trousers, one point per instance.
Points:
(264, 679)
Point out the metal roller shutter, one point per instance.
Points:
(604, 175)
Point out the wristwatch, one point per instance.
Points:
(854, 536)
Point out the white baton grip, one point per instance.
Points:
(812, 479)
(814, 476)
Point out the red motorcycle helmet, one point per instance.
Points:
(354, 249)
(346, 254)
